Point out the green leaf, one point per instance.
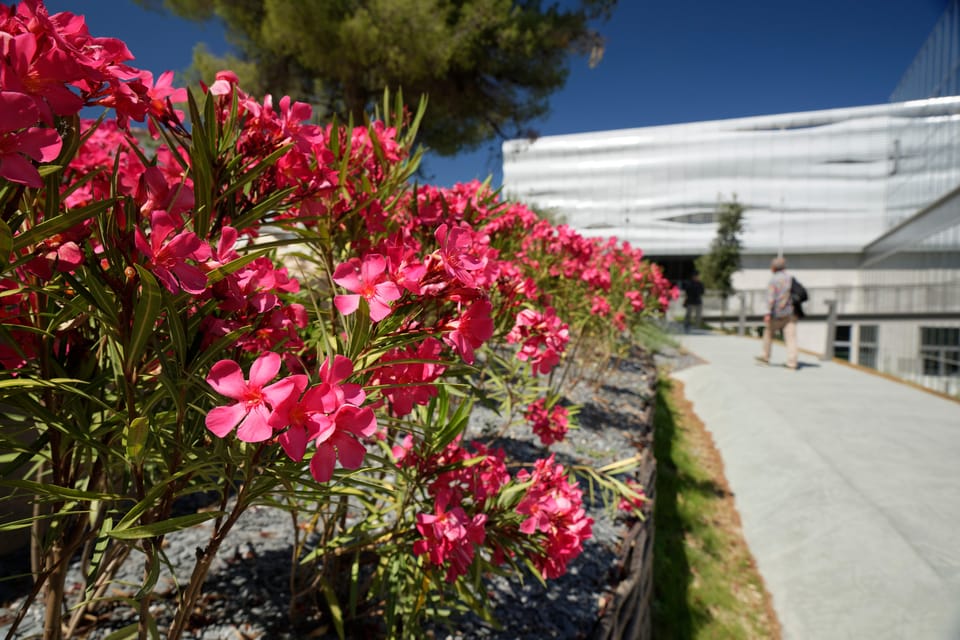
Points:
(48, 169)
(27, 383)
(334, 606)
(58, 492)
(144, 318)
(164, 527)
(262, 208)
(152, 576)
(128, 631)
(6, 242)
(178, 335)
(102, 299)
(136, 435)
(256, 168)
(96, 557)
(53, 226)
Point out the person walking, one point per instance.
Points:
(780, 313)
(693, 301)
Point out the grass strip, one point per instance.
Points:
(706, 584)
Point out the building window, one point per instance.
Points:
(940, 351)
(867, 352)
(841, 341)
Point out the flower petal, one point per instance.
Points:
(18, 169)
(226, 378)
(347, 276)
(349, 451)
(222, 420)
(346, 304)
(356, 420)
(321, 464)
(341, 369)
(264, 369)
(256, 428)
(294, 442)
(372, 268)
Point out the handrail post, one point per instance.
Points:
(831, 329)
(742, 327)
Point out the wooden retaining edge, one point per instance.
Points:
(629, 614)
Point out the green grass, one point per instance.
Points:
(653, 337)
(705, 583)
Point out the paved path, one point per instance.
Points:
(848, 487)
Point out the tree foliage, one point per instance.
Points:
(488, 66)
(723, 260)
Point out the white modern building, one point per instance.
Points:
(864, 202)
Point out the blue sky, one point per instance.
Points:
(666, 61)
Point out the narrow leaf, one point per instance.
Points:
(6, 242)
(144, 317)
(164, 527)
(58, 224)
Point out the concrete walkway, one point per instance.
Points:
(848, 488)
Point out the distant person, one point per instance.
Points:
(693, 301)
(780, 313)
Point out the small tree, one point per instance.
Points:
(718, 266)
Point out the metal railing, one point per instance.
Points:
(875, 300)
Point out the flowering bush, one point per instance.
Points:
(238, 300)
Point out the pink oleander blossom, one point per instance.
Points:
(600, 307)
(255, 398)
(470, 330)
(449, 537)
(365, 279)
(636, 300)
(542, 337)
(342, 441)
(407, 384)
(550, 425)
(636, 503)
(21, 141)
(553, 507)
(327, 414)
(457, 253)
(168, 259)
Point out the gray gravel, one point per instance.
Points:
(247, 591)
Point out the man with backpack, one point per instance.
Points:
(781, 313)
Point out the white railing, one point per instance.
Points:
(850, 300)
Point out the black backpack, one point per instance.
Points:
(798, 295)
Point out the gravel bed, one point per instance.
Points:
(246, 594)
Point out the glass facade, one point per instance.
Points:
(864, 202)
(827, 181)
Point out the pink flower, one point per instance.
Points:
(470, 330)
(167, 260)
(457, 253)
(633, 504)
(408, 384)
(19, 138)
(366, 280)
(160, 97)
(449, 536)
(224, 83)
(550, 426)
(543, 336)
(341, 441)
(554, 510)
(251, 413)
(327, 414)
(600, 306)
(636, 300)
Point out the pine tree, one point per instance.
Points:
(488, 67)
